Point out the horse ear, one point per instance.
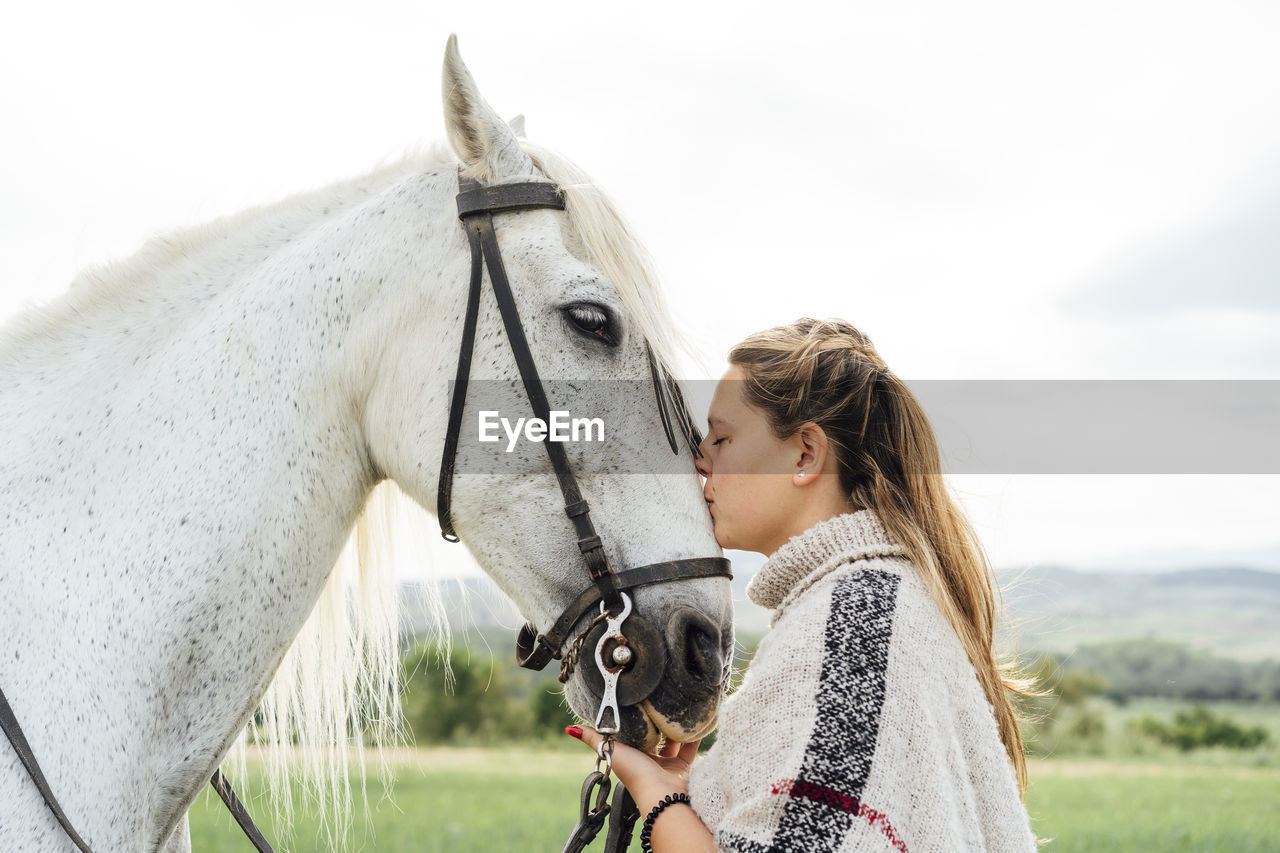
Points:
(479, 137)
(517, 125)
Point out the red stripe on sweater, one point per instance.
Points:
(844, 802)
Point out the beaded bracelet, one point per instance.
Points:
(647, 829)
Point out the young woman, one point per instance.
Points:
(874, 715)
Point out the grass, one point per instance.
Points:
(1102, 805)
(522, 799)
(445, 799)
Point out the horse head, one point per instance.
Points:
(598, 335)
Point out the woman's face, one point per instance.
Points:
(750, 475)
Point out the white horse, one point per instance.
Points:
(190, 441)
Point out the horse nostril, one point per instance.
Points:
(702, 657)
(694, 643)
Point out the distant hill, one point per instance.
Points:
(1232, 611)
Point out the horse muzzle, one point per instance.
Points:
(670, 682)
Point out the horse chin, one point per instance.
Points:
(638, 729)
(668, 712)
(643, 726)
(675, 729)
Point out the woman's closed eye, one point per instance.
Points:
(717, 441)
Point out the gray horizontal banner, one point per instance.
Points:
(1034, 426)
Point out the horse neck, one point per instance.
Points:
(190, 482)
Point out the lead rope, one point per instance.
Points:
(593, 807)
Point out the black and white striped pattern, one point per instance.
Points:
(825, 799)
(860, 724)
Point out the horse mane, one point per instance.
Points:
(112, 291)
(338, 685)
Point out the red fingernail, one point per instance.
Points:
(574, 731)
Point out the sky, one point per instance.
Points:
(988, 190)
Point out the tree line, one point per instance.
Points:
(1165, 669)
(485, 698)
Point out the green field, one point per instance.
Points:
(516, 799)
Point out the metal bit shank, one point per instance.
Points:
(611, 670)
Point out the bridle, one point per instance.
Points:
(476, 207)
(630, 662)
(634, 666)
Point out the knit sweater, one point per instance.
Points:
(860, 723)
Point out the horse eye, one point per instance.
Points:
(593, 321)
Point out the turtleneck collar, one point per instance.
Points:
(841, 538)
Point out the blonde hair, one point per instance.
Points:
(827, 372)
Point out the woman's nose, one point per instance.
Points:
(703, 464)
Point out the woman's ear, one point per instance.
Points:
(812, 441)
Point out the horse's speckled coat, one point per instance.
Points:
(182, 458)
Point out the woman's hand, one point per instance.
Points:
(648, 777)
